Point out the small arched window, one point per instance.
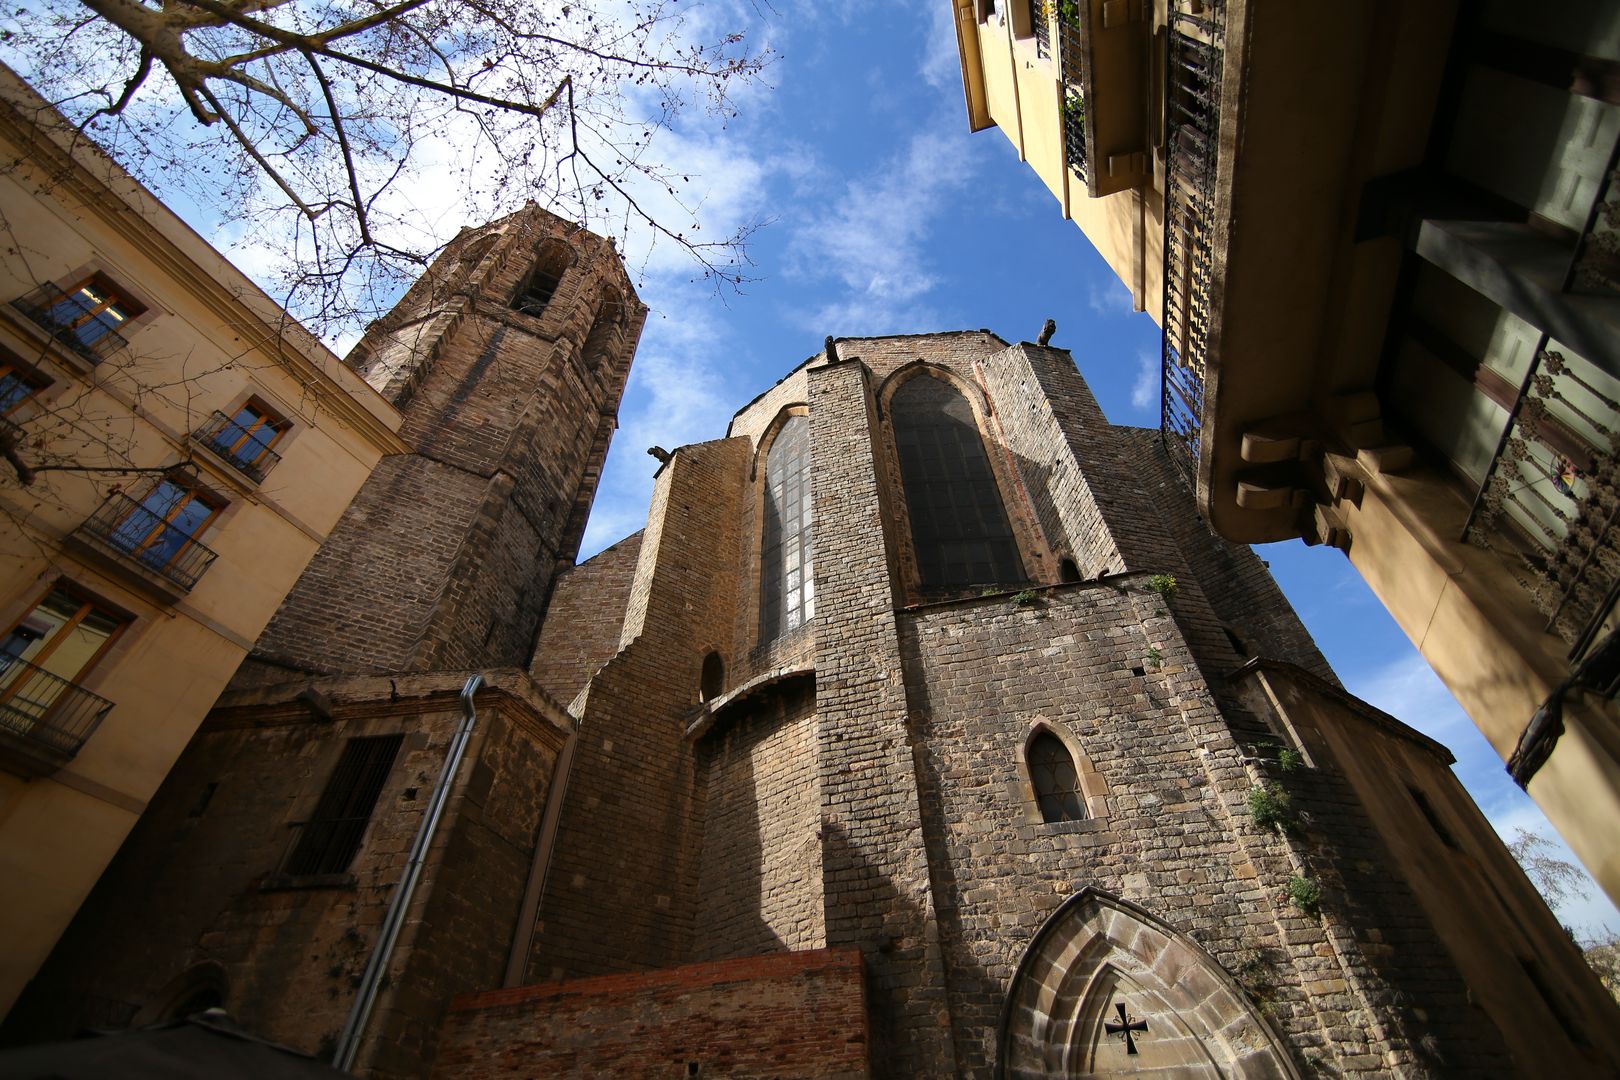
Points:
(550, 262)
(1068, 571)
(959, 528)
(1055, 779)
(713, 679)
(787, 585)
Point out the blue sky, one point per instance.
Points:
(888, 216)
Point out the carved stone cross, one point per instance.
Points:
(1125, 1026)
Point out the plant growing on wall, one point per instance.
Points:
(1305, 893)
(1270, 808)
(1164, 585)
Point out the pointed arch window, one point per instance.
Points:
(787, 587)
(1055, 779)
(959, 528)
(550, 262)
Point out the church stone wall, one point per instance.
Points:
(584, 618)
(620, 892)
(875, 869)
(285, 953)
(759, 885)
(1175, 836)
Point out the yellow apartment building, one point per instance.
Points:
(173, 450)
(1381, 243)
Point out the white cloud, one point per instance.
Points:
(1107, 296)
(674, 397)
(868, 238)
(1145, 390)
(941, 63)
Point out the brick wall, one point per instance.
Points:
(875, 870)
(199, 875)
(759, 883)
(445, 558)
(584, 619)
(620, 893)
(785, 1016)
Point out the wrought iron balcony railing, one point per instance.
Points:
(1040, 22)
(244, 449)
(135, 535)
(44, 719)
(1192, 97)
(1071, 67)
(53, 309)
(1550, 503)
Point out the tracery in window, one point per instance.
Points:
(1056, 780)
(959, 528)
(787, 588)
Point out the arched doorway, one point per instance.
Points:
(1105, 989)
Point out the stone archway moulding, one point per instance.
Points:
(1097, 952)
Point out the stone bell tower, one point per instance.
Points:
(508, 359)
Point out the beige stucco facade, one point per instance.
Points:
(1377, 242)
(204, 356)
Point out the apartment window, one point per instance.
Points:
(245, 438)
(787, 585)
(41, 658)
(162, 530)
(1055, 779)
(89, 318)
(959, 528)
(17, 385)
(333, 833)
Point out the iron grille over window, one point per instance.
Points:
(332, 836)
(1056, 781)
(958, 526)
(787, 588)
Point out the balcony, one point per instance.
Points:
(156, 553)
(1550, 502)
(243, 449)
(1192, 128)
(1103, 59)
(73, 323)
(44, 719)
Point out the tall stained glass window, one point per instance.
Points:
(959, 528)
(787, 589)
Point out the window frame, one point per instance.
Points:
(267, 418)
(115, 297)
(895, 407)
(775, 628)
(194, 492)
(88, 602)
(24, 374)
(1093, 788)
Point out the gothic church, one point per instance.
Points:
(925, 730)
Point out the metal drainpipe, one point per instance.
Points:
(360, 1012)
